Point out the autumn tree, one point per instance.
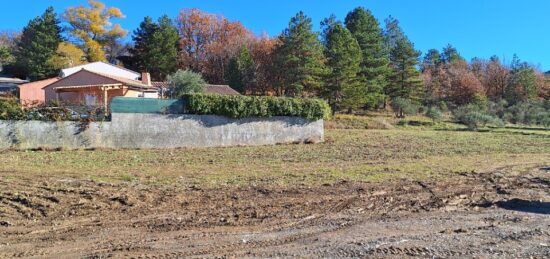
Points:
(93, 29)
(38, 43)
(404, 81)
(460, 84)
(67, 55)
(344, 85)
(299, 59)
(375, 63)
(449, 78)
(208, 42)
(493, 75)
(432, 74)
(155, 47)
(265, 71)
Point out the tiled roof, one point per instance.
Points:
(11, 80)
(209, 89)
(90, 78)
(40, 84)
(220, 89)
(159, 84)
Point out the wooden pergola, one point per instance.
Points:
(103, 87)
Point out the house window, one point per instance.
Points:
(90, 100)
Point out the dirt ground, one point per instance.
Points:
(493, 214)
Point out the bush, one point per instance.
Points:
(473, 117)
(403, 106)
(11, 110)
(476, 120)
(434, 114)
(185, 82)
(256, 106)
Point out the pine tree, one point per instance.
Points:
(39, 42)
(156, 47)
(375, 65)
(404, 81)
(450, 55)
(522, 86)
(299, 59)
(165, 48)
(431, 60)
(344, 87)
(143, 44)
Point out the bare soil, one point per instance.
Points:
(495, 214)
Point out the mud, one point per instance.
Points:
(489, 215)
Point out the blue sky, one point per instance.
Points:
(475, 27)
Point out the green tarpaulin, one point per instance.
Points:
(147, 105)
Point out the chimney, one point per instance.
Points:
(146, 78)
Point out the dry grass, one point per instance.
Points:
(352, 155)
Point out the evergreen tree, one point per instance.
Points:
(156, 47)
(241, 72)
(375, 65)
(39, 42)
(431, 60)
(405, 79)
(450, 55)
(142, 44)
(344, 87)
(299, 58)
(523, 82)
(392, 33)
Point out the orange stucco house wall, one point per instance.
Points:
(33, 94)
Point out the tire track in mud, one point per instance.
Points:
(130, 213)
(235, 248)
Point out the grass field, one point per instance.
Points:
(347, 154)
(376, 187)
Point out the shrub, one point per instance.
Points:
(51, 114)
(474, 117)
(185, 82)
(480, 100)
(476, 120)
(403, 106)
(256, 106)
(11, 110)
(434, 114)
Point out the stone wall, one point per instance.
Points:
(135, 130)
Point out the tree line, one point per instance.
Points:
(354, 63)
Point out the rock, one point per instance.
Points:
(5, 223)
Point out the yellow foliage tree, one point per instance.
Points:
(68, 55)
(93, 28)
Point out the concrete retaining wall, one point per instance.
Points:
(133, 130)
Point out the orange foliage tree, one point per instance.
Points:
(208, 42)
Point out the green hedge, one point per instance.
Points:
(239, 106)
(11, 110)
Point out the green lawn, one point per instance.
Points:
(347, 154)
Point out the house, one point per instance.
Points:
(95, 84)
(91, 88)
(32, 94)
(103, 68)
(8, 85)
